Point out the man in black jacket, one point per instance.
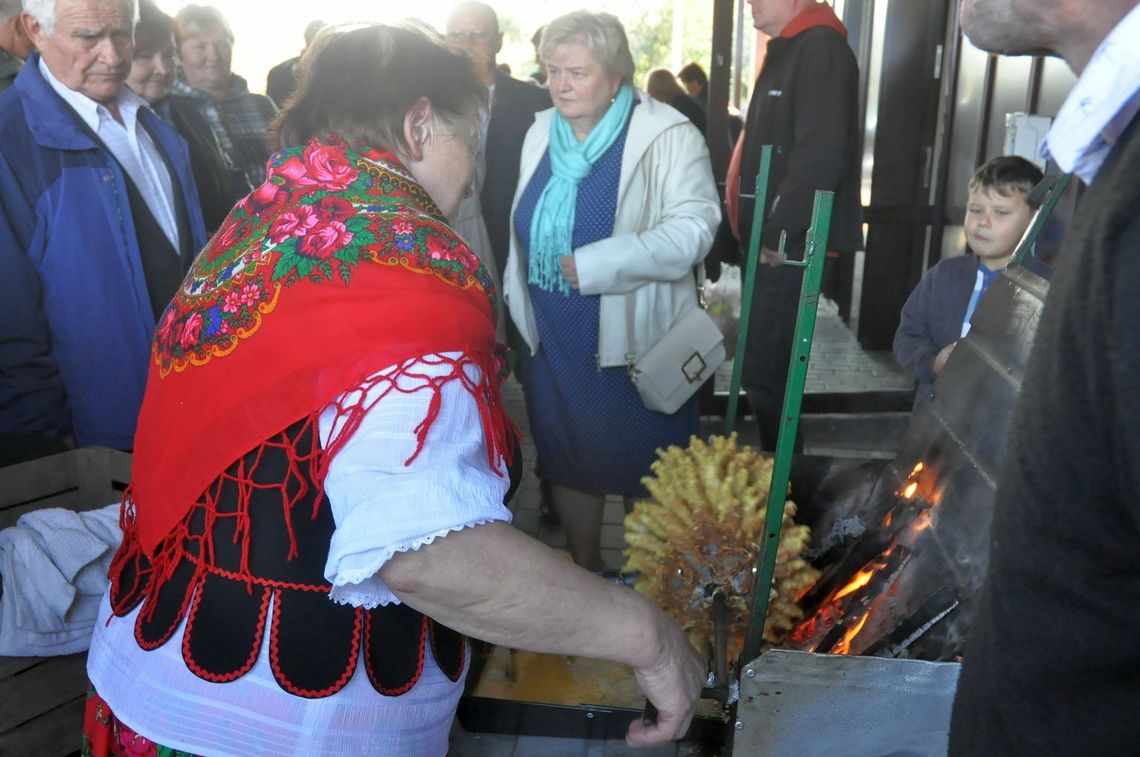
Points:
(1052, 665)
(484, 220)
(805, 104)
(474, 28)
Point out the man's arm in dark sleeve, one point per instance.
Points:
(32, 397)
(826, 97)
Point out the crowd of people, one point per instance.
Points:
(296, 310)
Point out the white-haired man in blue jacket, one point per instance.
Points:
(99, 220)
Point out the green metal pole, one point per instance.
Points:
(1060, 183)
(814, 252)
(749, 286)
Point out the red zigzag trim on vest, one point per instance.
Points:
(201, 672)
(462, 654)
(421, 655)
(275, 658)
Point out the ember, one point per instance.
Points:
(924, 520)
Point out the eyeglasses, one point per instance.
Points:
(473, 36)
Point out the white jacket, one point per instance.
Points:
(667, 213)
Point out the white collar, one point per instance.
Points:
(1101, 104)
(90, 111)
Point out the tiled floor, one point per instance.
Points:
(838, 365)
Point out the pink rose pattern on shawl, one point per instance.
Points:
(323, 211)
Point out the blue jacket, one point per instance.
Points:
(932, 317)
(75, 317)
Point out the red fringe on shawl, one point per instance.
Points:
(497, 426)
(135, 578)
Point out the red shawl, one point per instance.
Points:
(336, 267)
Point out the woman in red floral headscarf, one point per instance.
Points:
(321, 458)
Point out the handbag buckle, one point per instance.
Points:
(693, 376)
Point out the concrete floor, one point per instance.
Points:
(838, 365)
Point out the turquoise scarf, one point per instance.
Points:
(552, 227)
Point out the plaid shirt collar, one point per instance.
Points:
(238, 88)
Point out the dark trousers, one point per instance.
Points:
(771, 331)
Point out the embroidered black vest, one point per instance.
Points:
(234, 591)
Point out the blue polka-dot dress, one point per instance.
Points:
(591, 429)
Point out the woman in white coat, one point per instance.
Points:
(616, 204)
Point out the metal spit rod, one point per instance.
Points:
(718, 677)
(717, 686)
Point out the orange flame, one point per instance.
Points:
(862, 578)
(844, 647)
(911, 488)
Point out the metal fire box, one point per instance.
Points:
(797, 703)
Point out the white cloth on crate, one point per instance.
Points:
(1100, 105)
(53, 565)
(449, 486)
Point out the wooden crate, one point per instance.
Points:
(82, 479)
(41, 698)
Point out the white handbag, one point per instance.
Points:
(674, 368)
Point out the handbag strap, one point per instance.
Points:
(700, 276)
(698, 281)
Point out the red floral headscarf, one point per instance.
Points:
(338, 266)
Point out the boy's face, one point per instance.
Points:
(995, 224)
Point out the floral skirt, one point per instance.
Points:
(104, 735)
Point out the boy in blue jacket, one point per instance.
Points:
(937, 313)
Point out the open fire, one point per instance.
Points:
(836, 624)
(903, 557)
